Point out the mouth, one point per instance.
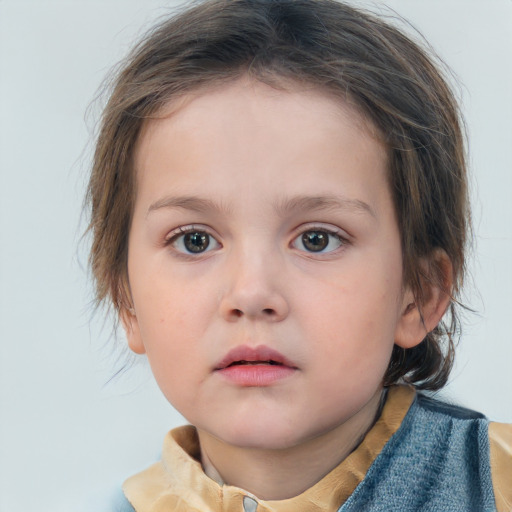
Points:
(240, 363)
(259, 367)
(244, 355)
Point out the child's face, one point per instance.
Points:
(263, 222)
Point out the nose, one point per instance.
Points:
(253, 291)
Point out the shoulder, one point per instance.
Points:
(460, 430)
(500, 444)
(447, 410)
(474, 428)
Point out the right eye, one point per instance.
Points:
(193, 242)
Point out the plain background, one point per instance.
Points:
(69, 434)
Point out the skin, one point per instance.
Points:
(255, 161)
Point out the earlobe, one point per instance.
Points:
(421, 315)
(132, 330)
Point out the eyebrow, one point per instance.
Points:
(193, 203)
(327, 202)
(282, 207)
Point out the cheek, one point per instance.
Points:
(174, 316)
(354, 318)
(169, 300)
(170, 334)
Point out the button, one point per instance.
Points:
(250, 505)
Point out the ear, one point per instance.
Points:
(131, 328)
(421, 315)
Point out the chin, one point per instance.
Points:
(260, 435)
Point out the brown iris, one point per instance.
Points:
(196, 241)
(315, 241)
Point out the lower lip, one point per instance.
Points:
(256, 375)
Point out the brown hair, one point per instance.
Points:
(328, 45)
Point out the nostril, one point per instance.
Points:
(268, 311)
(238, 313)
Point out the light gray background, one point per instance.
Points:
(68, 436)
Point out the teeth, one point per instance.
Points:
(270, 362)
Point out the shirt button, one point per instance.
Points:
(250, 505)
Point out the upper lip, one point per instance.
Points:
(253, 354)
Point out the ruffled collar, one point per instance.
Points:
(178, 482)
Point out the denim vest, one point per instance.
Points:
(438, 461)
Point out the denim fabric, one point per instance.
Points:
(438, 461)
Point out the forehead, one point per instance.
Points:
(256, 132)
(246, 95)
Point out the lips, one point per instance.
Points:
(247, 367)
(260, 355)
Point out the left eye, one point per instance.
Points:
(318, 240)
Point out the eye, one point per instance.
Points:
(318, 240)
(193, 241)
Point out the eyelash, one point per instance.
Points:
(180, 233)
(331, 233)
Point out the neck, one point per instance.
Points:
(286, 473)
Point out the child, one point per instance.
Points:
(279, 217)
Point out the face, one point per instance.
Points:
(264, 263)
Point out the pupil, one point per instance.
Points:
(196, 242)
(315, 240)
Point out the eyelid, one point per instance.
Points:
(343, 236)
(174, 235)
(322, 226)
(188, 228)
